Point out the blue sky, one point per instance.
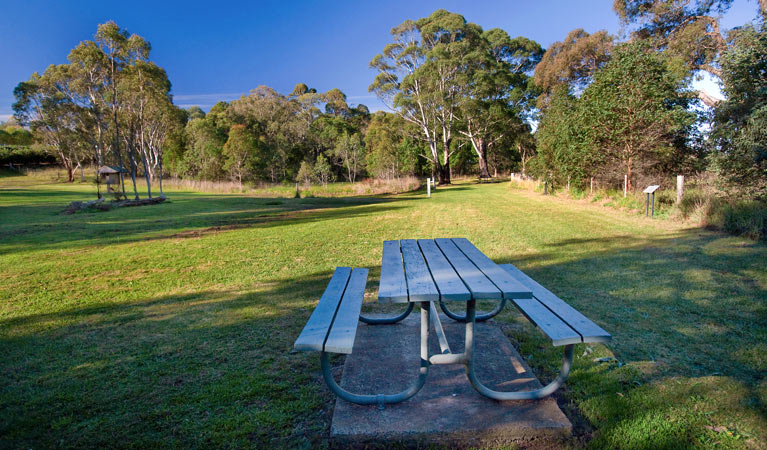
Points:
(219, 50)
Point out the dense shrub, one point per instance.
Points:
(739, 217)
(25, 156)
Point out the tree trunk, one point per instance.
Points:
(133, 167)
(628, 171)
(100, 147)
(70, 171)
(481, 148)
(159, 172)
(117, 133)
(523, 154)
(444, 171)
(68, 166)
(146, 175)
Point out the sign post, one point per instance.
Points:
(650, 190)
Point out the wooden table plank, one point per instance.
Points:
(448, 282)
(510, 286)
(556, 329)
(420, 285)
(479, 285)
(393, 287)
(590, 331)
(344, 329)
(316, 330)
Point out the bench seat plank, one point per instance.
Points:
(448, 283)
(393, 287)
(509, 285)
(589, 331)
(557, 330)
(316, 330)
(480, 287)
(344, 329)
(420, 285)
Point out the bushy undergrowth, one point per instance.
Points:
(25, 155)
(701, 204)
(740, 217)
(369, 186)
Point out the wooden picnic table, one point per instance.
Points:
(427, 272)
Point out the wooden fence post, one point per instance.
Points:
(679, 188)
(625, 184)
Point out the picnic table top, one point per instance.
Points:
(447, 269)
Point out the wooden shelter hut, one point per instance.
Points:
(110, 175)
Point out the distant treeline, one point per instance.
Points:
(17, 147)
(463, 100)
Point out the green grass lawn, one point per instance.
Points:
(172, 325)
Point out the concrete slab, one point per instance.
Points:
(447, 409)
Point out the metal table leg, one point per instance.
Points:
(387, 320)
(545, 391)
(478, 317)
(382, 399)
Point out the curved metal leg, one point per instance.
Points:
(387, 320)
(545, 391)
(382, 399)
(479, 317)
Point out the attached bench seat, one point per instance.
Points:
(562, 323)
(332, 326)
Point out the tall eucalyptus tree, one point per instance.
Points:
(422, 75)
(499, 91)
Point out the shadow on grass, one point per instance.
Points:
(688, 315)
(214, 368)
(33, 194)
(190, 216)
(202, 369)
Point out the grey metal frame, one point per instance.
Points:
(382, 399)
(479, 317)
(387, 320)
(429, 314)
(545, 391)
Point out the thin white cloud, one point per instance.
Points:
(208, 96)
(5, 117)
(206, 99)
(189, 105)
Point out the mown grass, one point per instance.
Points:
(172, 325)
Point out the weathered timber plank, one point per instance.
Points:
(420, 286)
(548, 322)
(316, 330)
(590, 331)
(344, 328)
(448, 282)
(393, 287)
(479, 285)
(510, 286)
